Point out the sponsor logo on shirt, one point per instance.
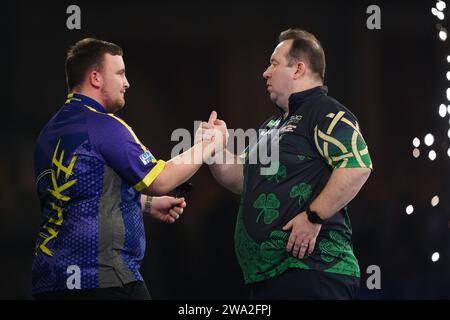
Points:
(290, 125)
(147, 157)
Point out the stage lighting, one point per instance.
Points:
(409, 209)
(440, 5)
(435, 257)
(429, 139)
(432, 155)
(442, 110)
(434, 201)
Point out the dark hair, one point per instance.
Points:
(306, 47)
(84, 55)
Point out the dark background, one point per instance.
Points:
(184, 60)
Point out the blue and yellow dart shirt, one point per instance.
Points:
(90, 168)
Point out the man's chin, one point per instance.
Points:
(120, 104)
(273, 97)
(117, 106)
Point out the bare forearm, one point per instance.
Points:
(341, 188)
(229, 174)
(182, 167)
(177, 170)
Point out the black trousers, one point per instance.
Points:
(298, 284)
(131, 291)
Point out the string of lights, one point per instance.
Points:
(430, 146)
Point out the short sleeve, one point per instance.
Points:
(338, 139)
(123, 152)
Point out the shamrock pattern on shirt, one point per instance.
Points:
(269, 204)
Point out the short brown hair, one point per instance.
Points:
(305, 46)
(84, 55)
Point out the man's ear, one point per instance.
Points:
(300, 70)
(95, 79)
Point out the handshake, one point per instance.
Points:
(210, 143)
(213, 135)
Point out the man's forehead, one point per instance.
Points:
(281, 48)
(284, 45)
(115, 60)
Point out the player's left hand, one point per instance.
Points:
(167, 209)
(303, 235)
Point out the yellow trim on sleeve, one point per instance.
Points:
(147, 181)
(124, 124)
(129, 129)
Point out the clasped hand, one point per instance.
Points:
(213, 134)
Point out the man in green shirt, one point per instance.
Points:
(293, 232)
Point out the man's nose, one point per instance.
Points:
(127, 84)
(266, 74)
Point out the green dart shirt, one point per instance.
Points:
(318, 135)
